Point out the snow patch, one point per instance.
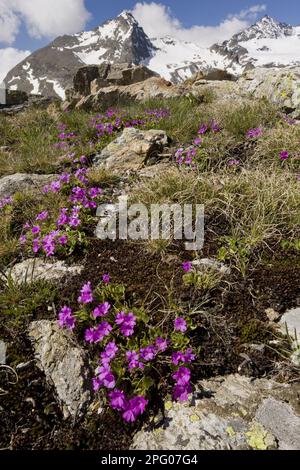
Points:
(13, 79)
(59, 90)
(35, 82)
(92, 56)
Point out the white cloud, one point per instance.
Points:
(9, 57)
(157, 20)
(9, 23)
(42, 18)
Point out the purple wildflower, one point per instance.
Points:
(161, 344)
(128, 324)
(35, 229)
(117, 400)
(106, 278)
(42, 216)
(182, 376)
(63, 240)
(180, 324)
(86, 296)
(134, 407)
(284, 155)
(97, 334)
(94, 192)
(36, 245)
(181, 392)
(187, 266)
(148, 353)
(101, 310)
(177, 357)
(257, 132)
(203, 129)
(233, 162)
(66, 318)
(133, 359)
(189, 356)
(23, 239)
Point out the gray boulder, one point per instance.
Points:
(34, 269)
(3, 349)
(65, 365)
(112, 95)
(281, 86)
(232, 412)
(290, 321)
(19, 182)
(132, 150)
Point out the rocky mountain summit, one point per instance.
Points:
(49, 71)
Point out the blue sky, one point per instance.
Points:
(27, 26)
(189, 12)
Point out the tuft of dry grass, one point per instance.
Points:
(282, 137)
(256, 208)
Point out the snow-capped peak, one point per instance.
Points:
(50, 71)
(127, 16)
(266, 27)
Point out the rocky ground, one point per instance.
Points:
(219, 143)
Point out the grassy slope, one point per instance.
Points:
(252, 223)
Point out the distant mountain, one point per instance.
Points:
(267, 43)
(49, 71)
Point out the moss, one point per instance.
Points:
(253, 331)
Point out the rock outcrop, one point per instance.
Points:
(92, 78)
(132, 150)
(35, 269)
(280, 86)
(65, 365)
(19, 182)
(231, 412)
(119, 84)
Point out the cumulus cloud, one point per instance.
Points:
(42, 18)
(157, 20)
(9, 57)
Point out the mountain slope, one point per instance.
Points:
(267, 43)
(49, 71)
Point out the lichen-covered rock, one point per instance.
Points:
(65, 365)
(3, 348)
(212, 75)
(280, 86)
(132, 150)
(90, 78)
(290, 322)
(212, 264)
(232, 412)
(112, 95)
(34, 269)
(20, 182)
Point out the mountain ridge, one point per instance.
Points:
(50, 70)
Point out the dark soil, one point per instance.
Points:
(230, 319)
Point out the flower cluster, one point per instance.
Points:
(254, 133)
(114, 120)
(130, 350)
(49, 234)
(186, 155)
(7, 201)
